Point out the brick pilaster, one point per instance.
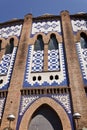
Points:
(45, 57)
(76, 84)
(13, 97)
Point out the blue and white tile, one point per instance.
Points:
(15, 30)
(2, 102)
(82, 55)
(37, 61)
(45, 76)
(7, 75)
(46, 27)
(79, 25)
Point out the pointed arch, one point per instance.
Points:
(83, 40)
(53, 43)
(39, 44)
(53, 104)
(11, 43)
(43, 117)
(2, 43)
(58, 36)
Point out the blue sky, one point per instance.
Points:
(10, 9)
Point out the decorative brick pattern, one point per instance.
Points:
(46, 27)
(15, 30)
(6, 67)
(79, 25)
(2, 102)
(58, 78)
(82, 55)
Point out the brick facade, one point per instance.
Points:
(62, 88)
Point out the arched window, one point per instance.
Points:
(83, 40)
(10, 46)
(53, 44)
(38, 54)
(53, 54)
(0, 44)
(39, 45)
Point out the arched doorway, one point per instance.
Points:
(53, 106)
(45, 118)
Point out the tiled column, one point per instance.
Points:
(13, 98)
(79, 99)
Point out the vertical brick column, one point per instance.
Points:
(45, 57)
(13, 97)
(79, 99)
(3, 48)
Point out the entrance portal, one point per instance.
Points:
(45, 118)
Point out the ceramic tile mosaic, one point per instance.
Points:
(46, 27)
(82, 55)
(57, 78)
(37, 61)
(26, 101)
(79, 25)
(62, 99)
(6, 67)
(15, 30)
(53, 60)
(2, 102)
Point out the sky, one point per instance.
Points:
(10, 9)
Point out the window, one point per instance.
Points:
(38, 55)
(39, 45)
(53, 44)
(0, 44)
(53, 54)
(83, 40)
(10, 46)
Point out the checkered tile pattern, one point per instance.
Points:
(59, 60)
(37, 62)
(82, 55)
(5, 62)
(53, 60)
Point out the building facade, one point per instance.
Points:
(43, 72)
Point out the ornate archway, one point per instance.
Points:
(60, 113)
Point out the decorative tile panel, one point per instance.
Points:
(57, 78)
(37, 62)
(15, 30)
(82, 55)
(26, 101)
(46, 27)
(79, 25)
(2, 102)
(6, 67)
(53, 60)
(64, 100)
